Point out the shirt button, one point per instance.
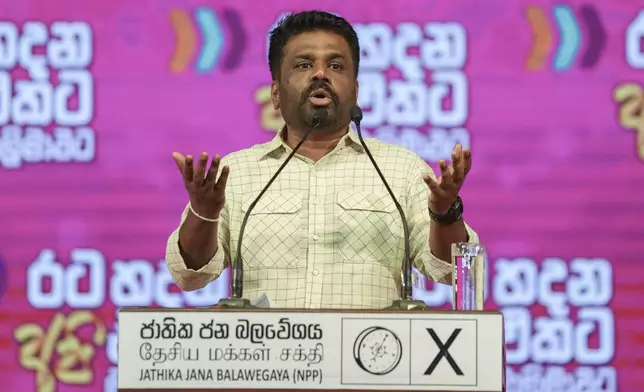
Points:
(315, 273)
(316, 237)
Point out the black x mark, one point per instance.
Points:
(443, 352)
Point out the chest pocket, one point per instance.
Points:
(271, 238)
(368, 225)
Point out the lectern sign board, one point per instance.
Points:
(329, 350)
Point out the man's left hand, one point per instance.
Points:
(445, 190)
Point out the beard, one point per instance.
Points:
(306, 109)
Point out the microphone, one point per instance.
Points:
(407, 302)
(237, 268)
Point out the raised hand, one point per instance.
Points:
(207, 193)
(446, 189)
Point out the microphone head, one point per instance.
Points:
(356, 114)
(319, 116)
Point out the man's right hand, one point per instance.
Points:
(207, 193)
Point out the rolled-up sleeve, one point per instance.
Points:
(188, 279)
(419, 221)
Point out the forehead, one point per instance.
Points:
(317, 42)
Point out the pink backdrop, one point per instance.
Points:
(545, 94)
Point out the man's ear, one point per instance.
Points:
(357, 90)
(275, 95)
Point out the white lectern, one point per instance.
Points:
(221, 349)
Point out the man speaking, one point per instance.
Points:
(327, 233)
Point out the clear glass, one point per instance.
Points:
(468, 271)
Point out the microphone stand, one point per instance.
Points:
(407, 301)
(237, 267)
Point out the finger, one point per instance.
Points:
(446, 173)
(212, 171)
(458, 163)
(188, 169)
(457, 154)
(459, 173)
(200, 171)
(223, 178)
(467, 158)
(179, 160)
(433, 185)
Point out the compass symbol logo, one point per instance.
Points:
(377, 351)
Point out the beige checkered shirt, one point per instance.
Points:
(326, 234)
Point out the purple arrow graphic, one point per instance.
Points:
(596, 36)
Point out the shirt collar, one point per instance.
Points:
(278, 145)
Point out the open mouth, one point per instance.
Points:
(320, 97)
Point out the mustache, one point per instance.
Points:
(319, 85)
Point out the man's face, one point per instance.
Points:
(317, 71)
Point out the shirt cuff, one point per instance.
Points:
(188, 279)
(441, 270)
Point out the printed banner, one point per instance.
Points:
(95, 96)
(300, 350)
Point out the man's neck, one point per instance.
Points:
(318, 144)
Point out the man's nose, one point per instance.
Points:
(320, 73)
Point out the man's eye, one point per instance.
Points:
(304, 65)
(336, 66)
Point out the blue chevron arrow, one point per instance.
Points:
(212, 37)
(569, 38)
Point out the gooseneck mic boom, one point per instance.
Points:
(237, 267)
(407, 301)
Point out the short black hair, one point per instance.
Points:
(302, 22)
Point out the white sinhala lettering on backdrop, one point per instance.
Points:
(46, 93)
(122, 282)
(634, 35)
(413, 90)
(577, 326)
